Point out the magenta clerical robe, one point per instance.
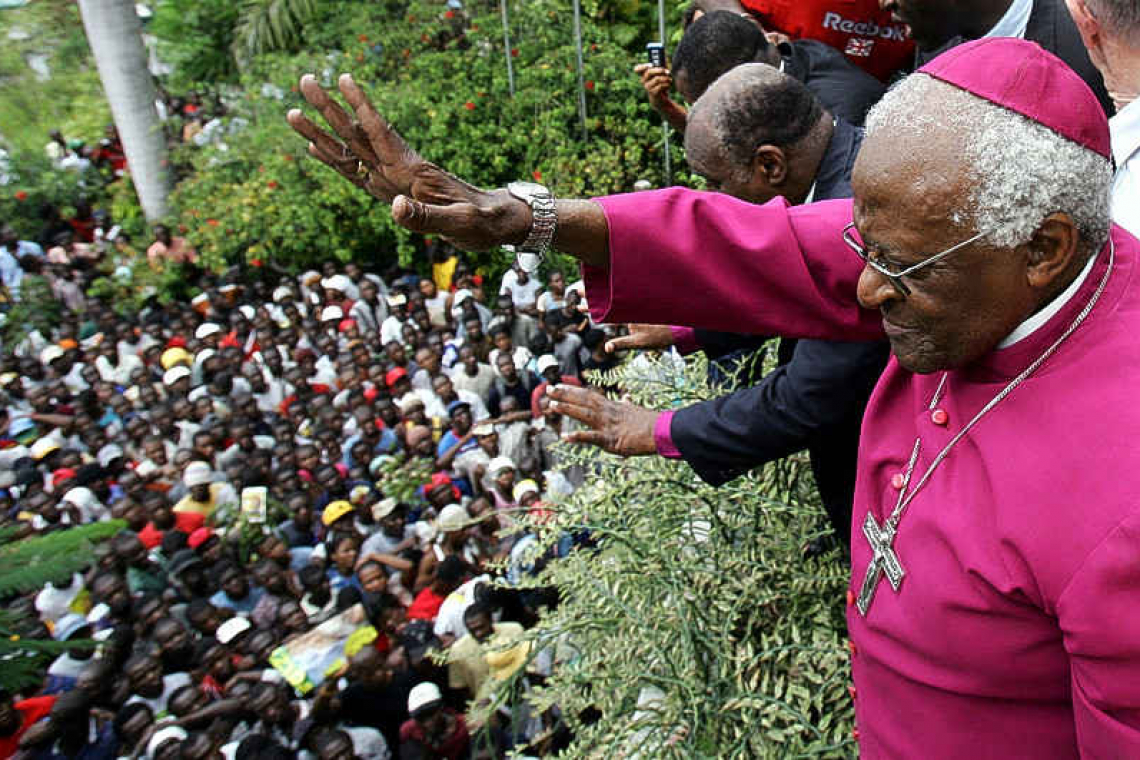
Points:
(1016, 630)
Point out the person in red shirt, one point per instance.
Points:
(448, 577)
(163, 518)
(18, 717)
(869, 37)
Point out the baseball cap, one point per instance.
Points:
(383, 508)
(196, 474)
(451, 518)
(331, 313)
(334, 511)
(423, 695)
(231, 629)
(206, 329)
(199, 536)
(174, 374)
(545, 362)
(50, 354)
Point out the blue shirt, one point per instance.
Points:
(242, 606)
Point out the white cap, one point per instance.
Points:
(523, 488)
(44, 446)
(460, 296)
(174, 374)
(498, 464)
(281, 293)
(409, 402)
(423, 694)
(50, 354)
(229, 630)
(331, 312)
(203, 355)
(397, 300)
(482, 429)
(247, 311)
(451, 518)
(545, 361)
(206, 329)
(109, 453)
(82, 497)
(196, 474)
(164, 735)
(337, 282)
(383, 508)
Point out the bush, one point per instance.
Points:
(695, 626)
(440, 77)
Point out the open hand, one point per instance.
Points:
(618, 427)
(365, 149)
(646, 337)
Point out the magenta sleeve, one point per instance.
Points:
(663, 436)
(681, 257)
(685, 340)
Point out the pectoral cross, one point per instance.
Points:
(883, 562)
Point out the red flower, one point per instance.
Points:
(255, 262)
(514, 52)
(474, 27)
(21, 195)
(589, 84)
(271, 184)
(182, 228)
(407, 53)
(469, 106)
(362, 37)
(593, 47)
(537, 175)
(287, 157)
(424, 38)
(212, 222)
(411, 19)
(449, 14)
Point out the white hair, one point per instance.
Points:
(1020, 170)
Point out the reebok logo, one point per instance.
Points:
(837, 23)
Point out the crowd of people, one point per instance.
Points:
(354, 452)
(392, 435)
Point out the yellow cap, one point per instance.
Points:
(174, 356)
(334, 511)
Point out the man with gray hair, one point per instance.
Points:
(995, 592)
(1110, 30)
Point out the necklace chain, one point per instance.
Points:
(905, 495)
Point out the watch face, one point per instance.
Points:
(526, 190)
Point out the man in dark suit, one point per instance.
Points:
(757, 134)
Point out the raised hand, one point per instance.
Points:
(618, 427)
(645, 337)
(658, 82)
(367, 151)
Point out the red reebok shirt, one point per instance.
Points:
(868, 36)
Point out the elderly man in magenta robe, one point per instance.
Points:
(994, 606)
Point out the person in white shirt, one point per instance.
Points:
(1110, 30)
(522, 287)
(392, 327)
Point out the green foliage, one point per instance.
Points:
(38, 309)
(268, 25)
(196, 38)
(440, 77)
(399, 477)
(697, 627)
(245, 530)
(25, 566)
(28, 564)
(71, 98)
(35, 181)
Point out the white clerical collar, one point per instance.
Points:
(1125, 130)
(1014, 22)
(1035, 322)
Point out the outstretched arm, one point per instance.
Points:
(364, 149)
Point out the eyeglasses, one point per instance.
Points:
(896, 278)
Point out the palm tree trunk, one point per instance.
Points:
(114, 33)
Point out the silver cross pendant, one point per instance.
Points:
(883, 562)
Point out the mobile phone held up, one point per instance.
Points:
(656, 53)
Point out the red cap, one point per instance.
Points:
(62, 474)
(394, 375)
(370, 394)
(1027, 79)
(199, 537)
(176, 342)
(345, 324)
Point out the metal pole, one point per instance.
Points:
(664, 122)
(581, 72)
(507, 47)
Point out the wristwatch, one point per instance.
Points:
(545, 220)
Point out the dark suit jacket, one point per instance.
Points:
(1051, 27)
(845, 90)
(814, 399)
